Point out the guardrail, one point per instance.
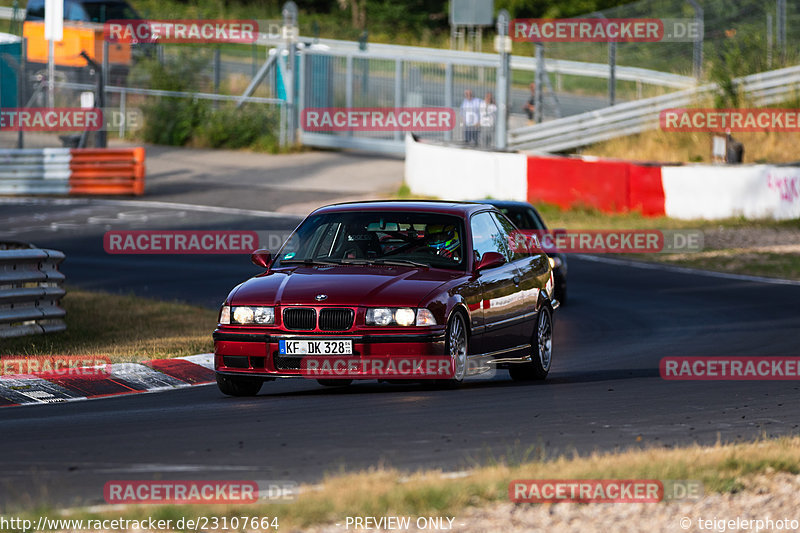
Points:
(761, 89)
(31, 288)
(518, 62)
(72, 171)
(391, 51)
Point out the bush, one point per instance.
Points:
(252, 125)
(173, 121)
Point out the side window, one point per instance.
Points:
(74, 11)
(486, 236)
(35, 10)
(536, 220)
(507, 231)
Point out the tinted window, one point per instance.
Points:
(374, 237)
(103, 11)
(74, 11)
(35, 10)
(507, 231)
(523, 217)
(486, 236)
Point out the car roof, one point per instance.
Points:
(463, 209)
(507, 203)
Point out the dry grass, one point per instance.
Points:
(124, 328)
(387, 492)
(674, 147)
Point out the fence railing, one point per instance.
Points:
(764, 88)
(72, 171)
(31, 288)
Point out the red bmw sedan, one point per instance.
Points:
(390, 290)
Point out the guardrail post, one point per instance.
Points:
(398, 90)
(503, 83)
(540, 74)
(612, 73)
(697, 52)
(290, 28)
(448, 95)
(348, 86)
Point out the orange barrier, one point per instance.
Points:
(107, 171)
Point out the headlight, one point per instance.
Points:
(380, 316)
(555, 262)
(225, 314)
(402, 316)
(243, 314)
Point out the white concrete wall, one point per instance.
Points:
(463, 174)
(724, 191)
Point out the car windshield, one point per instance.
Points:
(103, 11)
(396, 238)
(522, 217)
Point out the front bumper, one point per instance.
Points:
(239, 353)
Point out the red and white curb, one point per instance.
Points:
(124, 378)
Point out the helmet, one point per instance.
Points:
(445, 241)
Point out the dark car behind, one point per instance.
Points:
(526, 217)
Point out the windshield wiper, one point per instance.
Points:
(400, 262)
(309, 262)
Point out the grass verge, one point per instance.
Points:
(124, 328)
(387, 492)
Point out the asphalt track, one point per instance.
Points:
(604, 392)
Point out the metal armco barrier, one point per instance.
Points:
(107, 171)
(31, 288)
(35, 171)
(72, 171)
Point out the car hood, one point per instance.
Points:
(343, 285)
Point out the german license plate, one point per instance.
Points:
(315, 347)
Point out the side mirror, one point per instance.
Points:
(490, 260)
(262, 258)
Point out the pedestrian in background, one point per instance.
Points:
(488, 119)
(470, 117)
(530, 106)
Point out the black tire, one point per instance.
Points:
(334, 382)
(239, 386)
(457, 347)
(542, 346)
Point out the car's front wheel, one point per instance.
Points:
(238, 386)
(542, 349)
(456, 343)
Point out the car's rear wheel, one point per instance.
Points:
(542, 348)
(238, 386)
(456, 344)
(335, 382)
